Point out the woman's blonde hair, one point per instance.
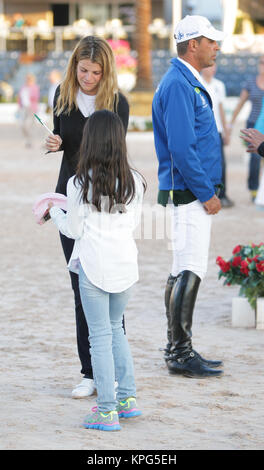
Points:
(98, 51)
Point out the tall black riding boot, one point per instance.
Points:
(170, 283)
(183, 359)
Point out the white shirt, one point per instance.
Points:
(25, 97)
(51, 94)
(104, 243)
(217, 91)
(86, 103)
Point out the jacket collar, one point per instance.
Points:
(188, 75)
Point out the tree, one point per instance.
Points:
(143, 44)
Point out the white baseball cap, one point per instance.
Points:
(193, 26)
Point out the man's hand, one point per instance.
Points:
(213, 205)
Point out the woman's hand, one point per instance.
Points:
(50, 205)
(53, 143)
(253, 137)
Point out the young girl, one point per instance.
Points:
(104, 201)
(90, 84)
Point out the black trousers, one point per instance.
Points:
(82, 331)
(254, 167)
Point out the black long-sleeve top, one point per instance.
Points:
(70, 129)
(261, 149)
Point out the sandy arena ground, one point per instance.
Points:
(39, 363)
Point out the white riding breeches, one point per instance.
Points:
(191, 232)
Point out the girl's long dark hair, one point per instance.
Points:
(103, 161)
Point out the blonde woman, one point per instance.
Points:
(90, 84)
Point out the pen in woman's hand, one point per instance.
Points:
(43, 123)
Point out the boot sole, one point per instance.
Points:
(211, 376)
(192, 376)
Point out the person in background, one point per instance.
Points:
(28, 102)
(253, 90)
(90, 84)
(217, 92)
(55, 79)
(189, 153)
(104, 202)
(18, 20)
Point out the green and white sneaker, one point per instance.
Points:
(128, 408)
(104, 421)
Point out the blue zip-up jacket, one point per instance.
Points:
(186, 138)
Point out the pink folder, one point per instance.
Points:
(40, 208)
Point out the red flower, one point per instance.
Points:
(224, 266)
(244, 267)
(236, 261)
(260, 266)
(236, 249)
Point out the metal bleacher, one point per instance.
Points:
(232, 69)
(54, 60)
(9, 62)
(235, 69)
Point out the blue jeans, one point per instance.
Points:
(110, 352)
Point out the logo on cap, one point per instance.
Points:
(180, 36)
(192, 34)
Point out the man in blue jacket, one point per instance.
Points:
(189, 154)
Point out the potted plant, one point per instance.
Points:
(126, 64)
(245, 268)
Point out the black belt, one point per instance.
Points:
(181, 196)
